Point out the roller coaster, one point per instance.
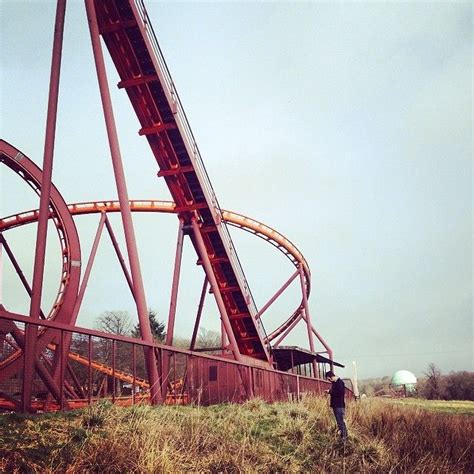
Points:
(47, 362)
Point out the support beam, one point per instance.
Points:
(122, 25)
(175, 171)
(16, 266)
(235, 316)
(223, 338)
(214, 260)
(1, 271)
(306, 314)
(129, 232)
(190, 207)
(325, 345)
(137, 81)
(75, 381)
(175, 285)
(87, 272)
(277, 294)
(199, 313)
(121, 260)
(227, 289)
(215, 287)
(62, 350)
(157, 129)
(287, 331)
(20, 339)
(42, 231)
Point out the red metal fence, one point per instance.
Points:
(98, 365)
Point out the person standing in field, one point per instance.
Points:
(338, 405)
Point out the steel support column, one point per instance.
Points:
(87, 272)
(277, 294)
(287, 331)
(16, 266)
(121, 260)
(1, 270)
(42, 231)
(175, 285)
(215, 289)
(198, 315)
(223, 338)
(129, 232)
(306, 314)
(325, 345)
(63, 349)
(20, 339)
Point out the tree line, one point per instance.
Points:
(433, 385)
(120, 323)
(453, 386)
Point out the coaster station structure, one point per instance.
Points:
(46, 361)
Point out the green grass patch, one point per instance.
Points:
(457, 407)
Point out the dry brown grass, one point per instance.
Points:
(252, 437)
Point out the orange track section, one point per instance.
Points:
(105, 369)
(232, 218)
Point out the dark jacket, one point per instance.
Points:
(337, 394)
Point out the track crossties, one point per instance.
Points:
(129, 37)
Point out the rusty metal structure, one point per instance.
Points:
(47, 362)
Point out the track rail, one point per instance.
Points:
(127, 32)
(66, 229)
(104, 368)
(234, 219)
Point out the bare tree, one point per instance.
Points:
(113, 353)
(115, 322)
(208, 339)
(433, 387)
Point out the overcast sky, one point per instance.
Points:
(345, 126)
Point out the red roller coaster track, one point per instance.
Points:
(126, 30)
(234, 219)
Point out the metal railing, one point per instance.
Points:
(98, 365)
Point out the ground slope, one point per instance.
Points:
(252, 437)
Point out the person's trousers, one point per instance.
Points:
(339, 414)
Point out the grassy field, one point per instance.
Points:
(459, 407)
(253, 437)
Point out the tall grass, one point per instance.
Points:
(252, 437)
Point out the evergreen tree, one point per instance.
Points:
(157, 328)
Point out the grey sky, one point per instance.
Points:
(347, 127)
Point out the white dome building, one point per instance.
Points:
(403, 381)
